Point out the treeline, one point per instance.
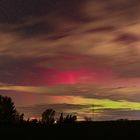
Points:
(10, 115)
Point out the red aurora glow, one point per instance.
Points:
(56, 77)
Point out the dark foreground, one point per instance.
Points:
(80, 130)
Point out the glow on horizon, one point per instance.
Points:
(101, 103)
(105, 103)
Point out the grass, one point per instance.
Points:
(108, 130)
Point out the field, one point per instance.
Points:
(81, 130)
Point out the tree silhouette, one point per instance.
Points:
(8, 111)
(48, 116)
(19, 118)
(61, 119)
(70, 119)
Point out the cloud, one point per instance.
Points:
(85, 91)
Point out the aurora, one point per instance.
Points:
(71, 55)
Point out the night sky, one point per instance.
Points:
(71, 54)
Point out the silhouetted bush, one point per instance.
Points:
(122, 120)
(48, 116)
(88, 119)
(70, 119)
(61, 118)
